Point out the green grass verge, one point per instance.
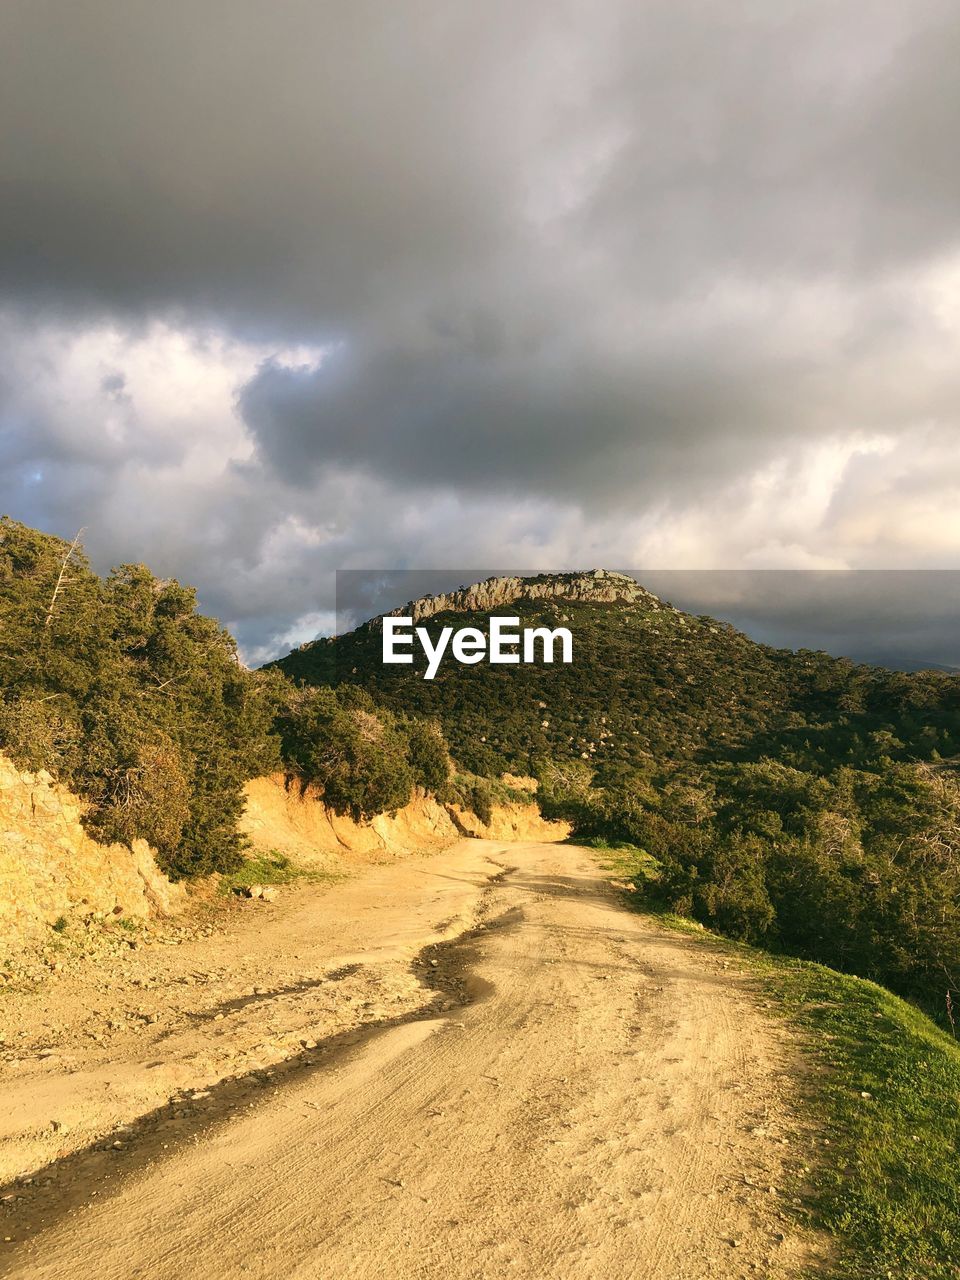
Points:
(884, 1091)
(627, 861)
(888, 1095)
(271, 868)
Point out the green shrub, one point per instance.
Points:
(481, 801)
(356, 758)
(428, 755)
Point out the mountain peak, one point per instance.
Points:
(599, 585)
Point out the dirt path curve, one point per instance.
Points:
(582, 1095)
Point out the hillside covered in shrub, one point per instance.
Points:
(122, 690)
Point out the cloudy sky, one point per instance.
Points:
(295, 286)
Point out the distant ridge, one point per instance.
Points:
(604, 586)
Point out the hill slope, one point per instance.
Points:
(648, 682)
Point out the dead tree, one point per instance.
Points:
(61, 581)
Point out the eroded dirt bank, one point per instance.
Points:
(566, 1091)
(281, 817)
(51, 868)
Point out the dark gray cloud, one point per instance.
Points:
(281, 166)
(900, 618)
(328, 167)
(296, 286)
(565, 423)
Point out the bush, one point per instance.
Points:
(38, 736)
(481, 800)
(856, 869)
(428, 755)
(356, 758)
(151, 795)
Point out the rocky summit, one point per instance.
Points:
(603, 586)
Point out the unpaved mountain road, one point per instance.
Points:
(567, 1090)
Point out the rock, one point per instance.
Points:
(600, 584)
(269, 893)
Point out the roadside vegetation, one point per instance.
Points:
(855, 868)
(364, 759)
(888, 1185)
(123, 691)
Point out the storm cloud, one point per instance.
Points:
(292, 287)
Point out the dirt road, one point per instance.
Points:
(567, 1090)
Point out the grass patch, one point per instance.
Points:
(270, 868)
(625, 860)
(887, 1188)
(890, 1190)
